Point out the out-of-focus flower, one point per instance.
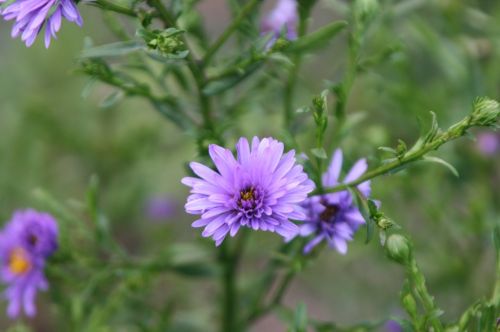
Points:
(160, 208)
(282, 19)
(32, 15)
(488, 143)
(334, 217)
(262, 189)
(393, 326)
(27, 240)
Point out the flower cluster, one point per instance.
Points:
(31, 16)
(334, 217)
(262, 189)
(27, 240)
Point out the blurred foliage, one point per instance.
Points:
(415, 56)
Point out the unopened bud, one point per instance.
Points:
(366, 9)
(398, 248)
(485, 112)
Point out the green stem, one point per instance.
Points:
(229, 310)
(414, 154)
(427, 300)
(196, 70)
(106, 5)
(245, 11)
(163, 13)
(292, 79)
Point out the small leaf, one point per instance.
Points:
(113, 49)
(319, 152)
(388, 149)
(300, 318)
(87, 89)
(112, 99)
(442, 162)
(318, 38)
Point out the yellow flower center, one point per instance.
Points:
(247, 194)
(18, 261)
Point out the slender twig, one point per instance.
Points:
(245, 11)
(452, 133)
(106, 5)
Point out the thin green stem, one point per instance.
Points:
(229, 310)
(163, 13)
(106, 5)
(289, 91)
(427, 300)
(199, 76)
(245, 11)
(452, 133)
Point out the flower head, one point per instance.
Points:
(488, 143)
(32, 15)
(283, 18)
(28, 239)
(159, 208)
(261, 189)
(334, 217)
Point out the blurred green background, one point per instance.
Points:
(443, 54)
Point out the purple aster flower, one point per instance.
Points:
(160, 208)
(262, 189)
(282, 19)
(488, 143)
(393, 326)
(32, 15)
(25, 243)
(334, 217)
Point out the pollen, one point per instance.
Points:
(18, 262)
(247, 194)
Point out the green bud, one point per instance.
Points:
(485, 112)
(383, 222)
(410, 304)
(280, 44)
(366, 9)
(398, 248)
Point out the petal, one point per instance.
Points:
(313, 243)
(331, 177)
(356, 171)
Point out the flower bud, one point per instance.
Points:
(485, 112)
(366, 9)
(398, 248)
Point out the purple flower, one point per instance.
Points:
(25, 243)
(393, 326)
(334, 217)
(282, 19)
(160, 208)
(32, 15)
(262, 189)
(488, 143)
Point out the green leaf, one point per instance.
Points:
(223, 84)
(319, 152)
(317, 39)
(363, 206)
(441, 162)
(113, 49)
(112, 99)
(300, 318)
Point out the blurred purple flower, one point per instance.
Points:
(25, 243)
(334, 217)
(261, 189)
(160, 208)
(283, 18)
(393, 326)
(32, 15)
(488, 143)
